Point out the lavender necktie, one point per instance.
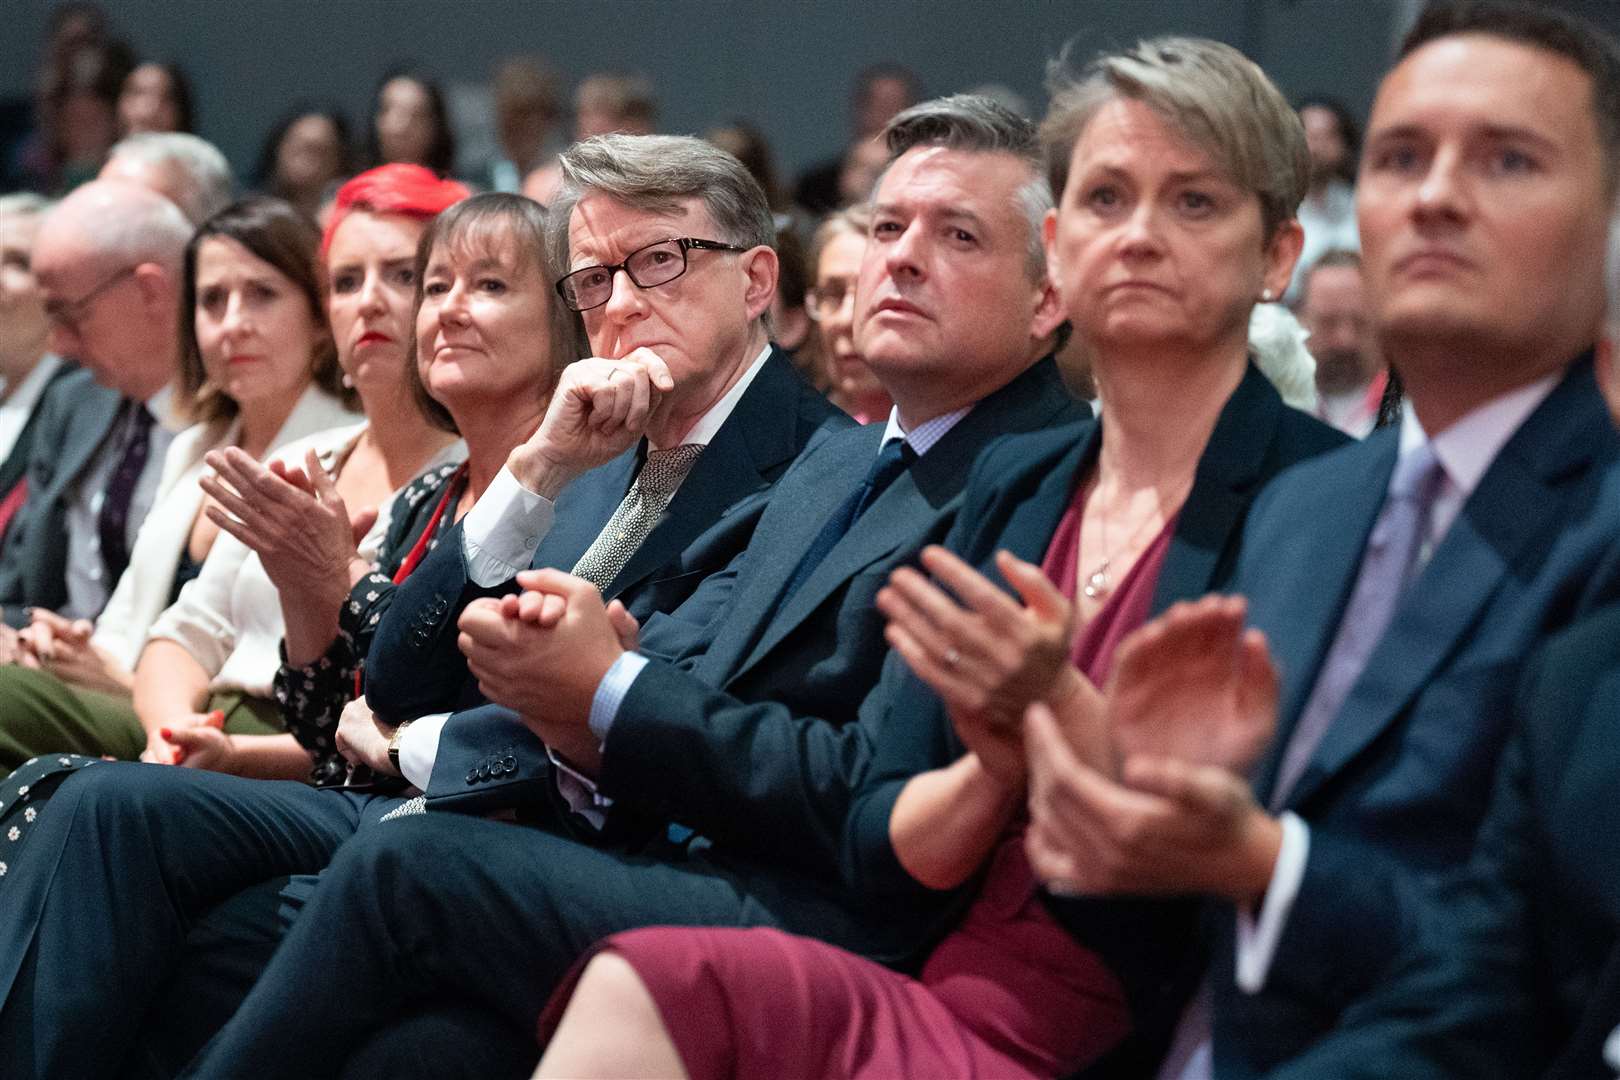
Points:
(1387, 565)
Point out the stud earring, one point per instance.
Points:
(1266, 296)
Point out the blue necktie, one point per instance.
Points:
(892, 460)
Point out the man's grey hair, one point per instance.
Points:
(125, 224)
(203, 184)
(25, 204)
(981, 125)
(656, 173)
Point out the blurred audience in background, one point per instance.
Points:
(880, 92)
(1350, 376)
(528, 107)
(1328, 213)
(184, 169)
(155, 97)
(409, 123)
(305, 157)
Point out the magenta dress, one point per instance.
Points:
(1007, 994)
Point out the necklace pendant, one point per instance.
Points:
(1097, 583)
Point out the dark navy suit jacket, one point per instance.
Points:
(736, 730)
(1516, 972)
(1395, 792)
(1020, 490)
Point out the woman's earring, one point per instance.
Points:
(1266, 296)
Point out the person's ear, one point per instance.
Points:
(1281, 255)
(761, 266)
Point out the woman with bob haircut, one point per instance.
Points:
(257, 371)
(1178, 167)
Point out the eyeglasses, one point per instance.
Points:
(70, 313)
(647, 267)
(825, 301)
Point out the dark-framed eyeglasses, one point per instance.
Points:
(70, 313)
(827, 300)
(658, 263)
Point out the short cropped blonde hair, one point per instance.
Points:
(1211, 93)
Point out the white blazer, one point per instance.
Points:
(229, 618)
(143, 589)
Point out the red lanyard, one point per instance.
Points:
(452, 491)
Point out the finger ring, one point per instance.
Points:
(952, 658)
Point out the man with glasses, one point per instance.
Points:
(108, 261)
(737, 711)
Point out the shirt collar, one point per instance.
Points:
(162, 407)
(922, 437)
(1467, 448)
(709, 424)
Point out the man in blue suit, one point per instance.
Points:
(1402, 581)
(1517, 969)
(753, 685)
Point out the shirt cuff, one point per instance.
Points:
(579, 792)
(419, 749)
(610, 693)
(503, 530)
(1257, 938)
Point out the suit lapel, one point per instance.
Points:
(1222, 490)
(1526, 486)
(583, 510)
(1029, 402)
(76, 455)
(753, 440)
(1329, 526)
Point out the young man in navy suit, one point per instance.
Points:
(1403, 580)
(1517, 969)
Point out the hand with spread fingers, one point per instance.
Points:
(1191, 704)
(1194, 685)
(304, 535)
(598, 411)
(546, 668)
(985, 654)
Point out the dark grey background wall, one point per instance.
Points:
(784, 64)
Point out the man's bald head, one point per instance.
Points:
(116, 223)
(108, 260)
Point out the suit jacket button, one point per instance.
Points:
(509, 763)
(483, 771)
(472, 776)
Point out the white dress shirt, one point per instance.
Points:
(1465, 451)
(88, 589)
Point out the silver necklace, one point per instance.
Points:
(1098, 583)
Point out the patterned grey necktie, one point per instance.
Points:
(640, 512)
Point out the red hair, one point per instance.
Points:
(410, 190)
